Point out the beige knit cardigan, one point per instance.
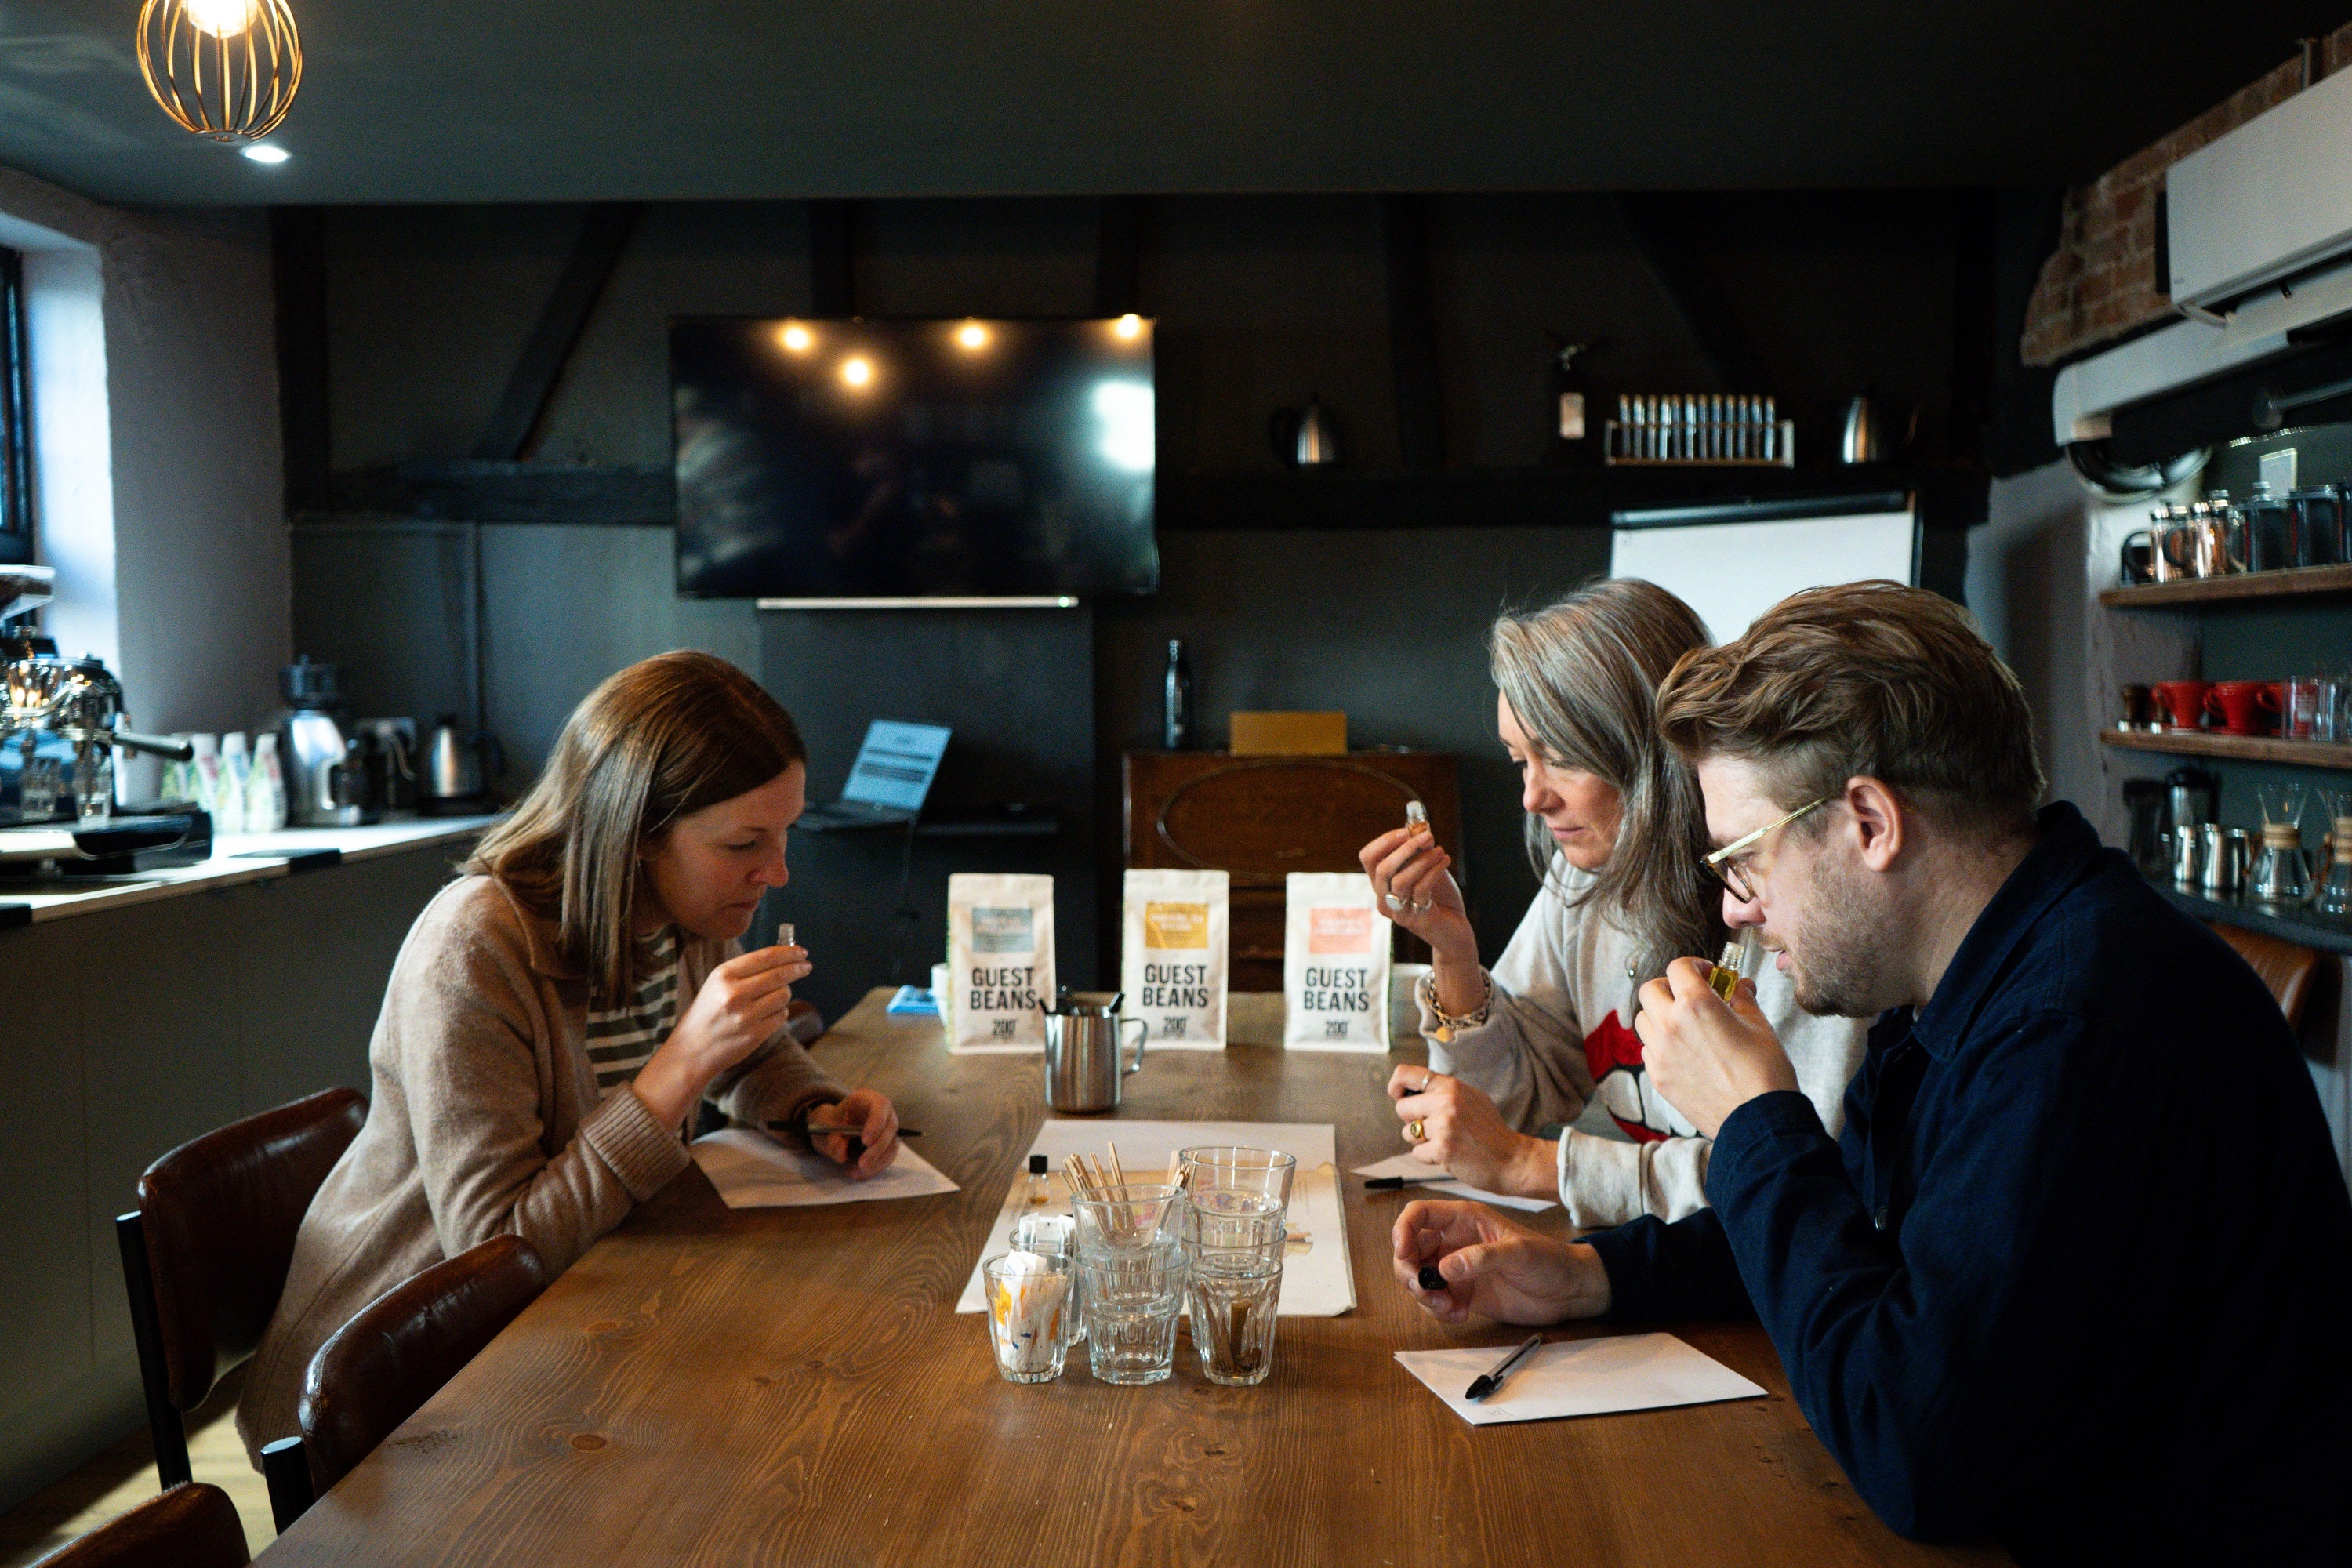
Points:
(484, 1120)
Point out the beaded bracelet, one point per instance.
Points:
(1448, 1024)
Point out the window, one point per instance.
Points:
(15, 435)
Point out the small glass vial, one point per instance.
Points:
(1417, 817)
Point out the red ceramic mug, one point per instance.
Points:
(2244, 707)
(2183, 702)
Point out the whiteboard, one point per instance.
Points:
(1731, 572)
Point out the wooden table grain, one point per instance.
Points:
(793, 1385)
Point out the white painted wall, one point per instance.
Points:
(2035, 569)
(162, 499)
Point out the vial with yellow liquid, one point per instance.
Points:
(1416, 818)
(1739, 954)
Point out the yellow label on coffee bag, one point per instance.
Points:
(1175, 925)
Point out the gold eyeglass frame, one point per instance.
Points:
(1731, 876)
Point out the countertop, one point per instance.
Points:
(242, 857)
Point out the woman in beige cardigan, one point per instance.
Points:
(557, 1012)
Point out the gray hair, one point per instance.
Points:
(1583, 676)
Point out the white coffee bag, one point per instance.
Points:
(1001, 961)
(1173, 958)
(1335, 964)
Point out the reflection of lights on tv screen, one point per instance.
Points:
(850, 457)
(1127, 439)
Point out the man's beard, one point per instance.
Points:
(1842, 951)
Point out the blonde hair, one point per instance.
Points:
(1582, 676)
(661, 740)
(1865, 679)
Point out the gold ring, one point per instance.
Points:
(1413, 1131)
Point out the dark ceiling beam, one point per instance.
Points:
(833, 257)
(1660, 227)
(1413, 329)
(297, 267)
(604, 234)
(1119, 256)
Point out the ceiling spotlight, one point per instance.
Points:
(856, 370)
(797, 338)
(971, 335)
(226, 69)
(1129, 326)
(262, 153)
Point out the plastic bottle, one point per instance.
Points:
(205, 773)
(264, 796)
(235, 780)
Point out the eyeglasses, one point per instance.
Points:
(1722, 864)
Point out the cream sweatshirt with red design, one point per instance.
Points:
(1561, 1036)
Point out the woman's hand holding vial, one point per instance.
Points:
(1412, 874)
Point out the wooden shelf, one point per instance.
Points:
(2329, 933)
(2241, 748)
(2301, 580)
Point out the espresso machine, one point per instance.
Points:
(61, 725)
(326, 773)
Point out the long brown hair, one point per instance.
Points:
(660, 739)
(1583, 676)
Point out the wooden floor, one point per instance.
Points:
(124, 1477)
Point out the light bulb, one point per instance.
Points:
(796, 338)
(856, 370)
(262, 153)
(972, 335)
(1129, 326)
(221, 18)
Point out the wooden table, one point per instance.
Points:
(793, 1385)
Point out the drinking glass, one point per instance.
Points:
(1056, 1235)
(1133, 1268)
(1235, 1292)
(1227, 1168)
(1029, 1314)
(2300, 718)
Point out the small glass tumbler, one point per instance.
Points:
(1028, 1315)
(1216, 1167)
(1056, 1235)
(1234, 1294)
(1133, 1268)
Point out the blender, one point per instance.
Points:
(2280, 874)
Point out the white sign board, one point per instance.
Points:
(1732, 571)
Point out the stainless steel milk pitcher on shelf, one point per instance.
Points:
(1084, 1061)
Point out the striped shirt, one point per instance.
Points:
(622, 1039)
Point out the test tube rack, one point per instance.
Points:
(1698, 430)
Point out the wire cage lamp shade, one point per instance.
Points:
(226, 69)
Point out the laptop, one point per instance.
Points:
(890, 780)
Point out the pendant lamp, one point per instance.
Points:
(226, 69)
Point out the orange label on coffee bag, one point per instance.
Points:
(1340, 930)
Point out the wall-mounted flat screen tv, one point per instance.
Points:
(916, 459)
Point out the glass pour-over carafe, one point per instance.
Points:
(2281, 875)
(2335, 896)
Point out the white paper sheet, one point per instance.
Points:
(1579, 1377)
(1317, 1280)
(753, 1171)
(1407, 1165)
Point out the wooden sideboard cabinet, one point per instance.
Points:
(1261, 818)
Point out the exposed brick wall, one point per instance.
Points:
(2101, 282)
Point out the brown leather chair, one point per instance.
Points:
(206, 1253)
(2289, 969)
(375, 1372)
(188, 1526)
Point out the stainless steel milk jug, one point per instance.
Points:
(1084, 1061)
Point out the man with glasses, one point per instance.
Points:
(2078, 1276)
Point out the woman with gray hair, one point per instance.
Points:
(1618, 834)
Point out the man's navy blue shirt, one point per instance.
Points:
(2078, 1277)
